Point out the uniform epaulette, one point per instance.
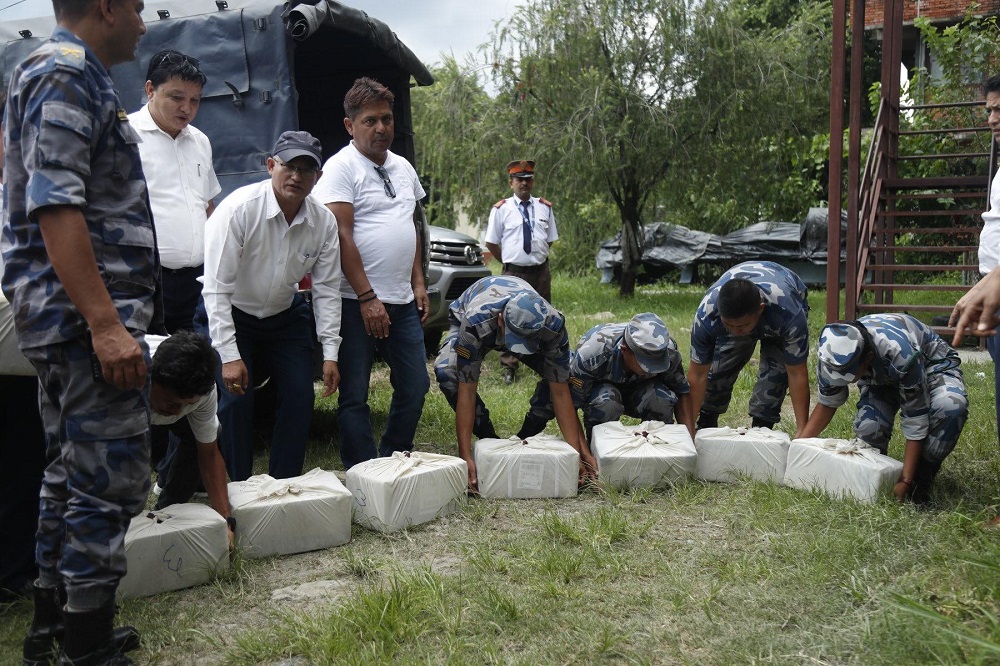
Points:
(546, 202)
(68, 54)
(499, 203)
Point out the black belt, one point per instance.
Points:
(534, 268)
(199, 270)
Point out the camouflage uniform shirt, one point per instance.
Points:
(68, 141)
(476, 316)
(906, 353)
(784, 318)
(598, 358)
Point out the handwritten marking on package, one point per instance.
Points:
(529, 476)
(168, 560)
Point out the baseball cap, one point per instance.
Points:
(521, 169)
(648, 338)
(524, 317)
(841, 347)
(297, 144)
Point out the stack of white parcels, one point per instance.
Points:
(725, 453)
(840, 467)
(649, 455)
(284, 516)
(540, 466)
(180, 546)
(406, 489)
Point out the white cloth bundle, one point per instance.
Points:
(403, 490)
(651, 454)
(540, 466)
(725, 453)
(284, 516)
(181, 546)
(840, 468)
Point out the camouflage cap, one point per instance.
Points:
(524, 316)
(841, 347)
(648, 338)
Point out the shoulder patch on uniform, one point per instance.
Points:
(576, 381)
(546, 202)
(463, 352)
(499, 203)
(70, 55)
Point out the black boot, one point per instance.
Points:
(485, 430)
(758, 422)
(706, 420)
(90, 639)
(46, 628)
(532, 426)
(923, 480)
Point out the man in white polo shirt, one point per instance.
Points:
(177, 162)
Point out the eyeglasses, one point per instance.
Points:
(178, 59)
(390, 191)
(304, 172)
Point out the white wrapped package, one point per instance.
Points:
(180, 546)
(725, 453)
(406, 489)
(840, 467)
(540, 466)
(649, 455)
(284, 516)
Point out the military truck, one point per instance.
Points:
(273, 67)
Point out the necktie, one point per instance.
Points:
(526, 226)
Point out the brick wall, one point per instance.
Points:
(936, 10)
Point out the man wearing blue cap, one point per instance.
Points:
(632, 368)
(259, 243)
(504, 313)
(900, 365)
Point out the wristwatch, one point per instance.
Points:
(232, 523)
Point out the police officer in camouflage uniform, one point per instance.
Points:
(504, 313)
(755, 300)
(900, 365)
(632, 368)
(81, 273)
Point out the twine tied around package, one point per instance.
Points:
(853, 447)
(759, 433)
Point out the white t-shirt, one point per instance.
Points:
(254, 260)
(383, 226)
(505, 228)
(201, 415)
(181, 182)
(989, 239)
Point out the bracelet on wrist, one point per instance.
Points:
(366, 300)
(907, 480)
(365, 293)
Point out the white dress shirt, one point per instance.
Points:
(181, 181)
(989, 239)
(505, 229)
(254, 260)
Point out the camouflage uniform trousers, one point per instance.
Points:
(540, 279)
(949, 409)
(97, 474)
(649, 400)
(446, 372)
(772, 378)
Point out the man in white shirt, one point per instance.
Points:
(989, 239)
(374, 193)
(520, 231)
(177, 161)
(260, 241)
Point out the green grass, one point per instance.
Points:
(698, 574)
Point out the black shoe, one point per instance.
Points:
(486, 431)
(532, 426)
(761, 423)
(90, 639)
(509, 375)
(706, 420)
(923, 480)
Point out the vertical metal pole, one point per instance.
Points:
(836, 161)
(857, 98)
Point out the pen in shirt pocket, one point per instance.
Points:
(199, 171)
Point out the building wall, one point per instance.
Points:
(936, 10)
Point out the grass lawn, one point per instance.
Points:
(701, 574)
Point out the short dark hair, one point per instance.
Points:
(364, 92)
(169, 63)
(185, 363)
(70, 9)
(738, 298)
(992, 84)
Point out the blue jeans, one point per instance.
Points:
(283, 344)
(404, 351)
(993, 345)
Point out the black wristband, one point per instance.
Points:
(366, 300)
(365, 293)
(232, 523)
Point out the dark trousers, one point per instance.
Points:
(181, 477)
(540, 280)
(22, 462)
(284, 344)
(993, 345)
(181, 295)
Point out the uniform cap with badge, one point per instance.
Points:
(648, 339)
(524, 316)
(521, 169)
(841, 348)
